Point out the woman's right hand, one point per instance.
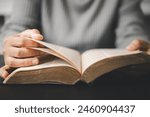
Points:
(15, 51)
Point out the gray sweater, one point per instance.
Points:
(79, 24)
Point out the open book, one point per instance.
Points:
(67, 66)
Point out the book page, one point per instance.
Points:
(54, 62)
(92, 56)
(47, 62)
(71, 56)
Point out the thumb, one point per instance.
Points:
(32, 33)
(138, 45)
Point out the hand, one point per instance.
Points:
(139, 45)
(15, 51)
(3, 71)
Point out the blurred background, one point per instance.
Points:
(5, 11)
(6, 8)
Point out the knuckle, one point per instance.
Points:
(5, 45)
(21, 43)
(5, 50)
(6, 40)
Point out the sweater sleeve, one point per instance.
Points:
(130, 23)
(25, 15)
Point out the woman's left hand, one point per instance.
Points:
(139, 45)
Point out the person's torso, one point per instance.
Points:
(79, 24)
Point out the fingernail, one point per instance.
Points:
(37, 36)
(35, 62)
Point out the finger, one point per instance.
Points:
(21, 42)
(3, 71)
(23, 52)
(14, 62)
(138, 45)
(32, 33)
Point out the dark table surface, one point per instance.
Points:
(107, 87)
(115, 85)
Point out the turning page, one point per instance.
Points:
(71, 56)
